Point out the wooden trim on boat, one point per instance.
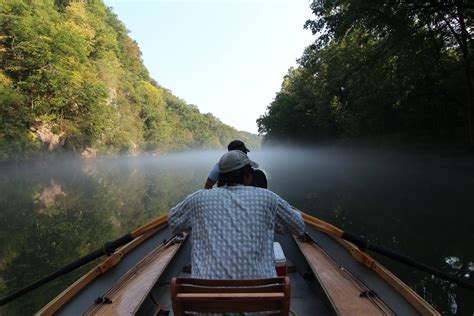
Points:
(226, 282)
(410, 295)
(108, 263)
(341, 289)
(150, 225)
(322, 225)
(128, 293)
(250, 295)
(227, 296)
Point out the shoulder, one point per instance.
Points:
(272, 196)
(196, 195)
(215, 168)
(261, 191)
(204, 194)
(214, 173)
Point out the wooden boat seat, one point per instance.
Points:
(220, 296)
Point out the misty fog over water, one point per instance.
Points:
(419, 204)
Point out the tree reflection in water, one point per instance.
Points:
(53, 212)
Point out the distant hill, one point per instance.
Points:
(71, 79)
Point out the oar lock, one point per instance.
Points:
(368, 293)
(176, 239)
(102, 300)
(305, 237)
(364, 246)
(179, 238)
(108, 249)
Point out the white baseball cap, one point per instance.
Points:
(233, 160)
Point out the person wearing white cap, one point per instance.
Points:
(233, 225)
(214, 173)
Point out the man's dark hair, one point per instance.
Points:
(237, 145)
(234, 177)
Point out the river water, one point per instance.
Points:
(421, 205)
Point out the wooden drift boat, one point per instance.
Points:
(324, 276)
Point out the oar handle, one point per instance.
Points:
(365, 244)
(322, 225)
(72, 266)
(106, 249)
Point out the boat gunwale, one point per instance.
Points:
(105, 265)
(419, 303)
(415, 300)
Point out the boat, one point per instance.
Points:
(320, 275)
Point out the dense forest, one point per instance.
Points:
(380, 68)
(71, 79)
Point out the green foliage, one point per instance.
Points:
(71, 66)
(376, 68)
(14, 117)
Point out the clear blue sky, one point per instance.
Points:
(226, 57)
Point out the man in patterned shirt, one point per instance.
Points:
(214, 173)
(233, 225)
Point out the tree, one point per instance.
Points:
(70, 67)
(375, 69)
(447, 25)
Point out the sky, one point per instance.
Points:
(227, 57)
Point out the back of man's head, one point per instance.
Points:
(237, 145)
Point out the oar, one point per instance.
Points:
(365, 244)
(107, 249)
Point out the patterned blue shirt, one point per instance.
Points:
(233, 229)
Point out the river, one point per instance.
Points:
(419, 204)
